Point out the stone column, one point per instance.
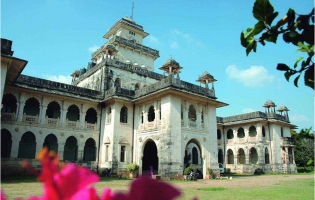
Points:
(17, 111)
(15, 148)
(198, 118)
(82, 120)
(247, 156)
(61, 147)
(20, 111)
(145, 120)
(246, 132)
(260, 153)
(43, 114)
(185, 112)
(63, 117)
(80, 152)
(39, 145)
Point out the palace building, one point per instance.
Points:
(118, 110)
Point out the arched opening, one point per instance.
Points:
(290, 154)
(194, 156)
(267, 156)
(71, 149)
(263, 131)
(240, 133)
(202, 120)
(117, 82)
(89, 150)
(218, 134)
(151, 114)
(91, 116)
(150, 158)
(124, 114)
(6, 143)
(230, 134)
(192, 113)
(230, 157)
(73, 113)
(281, 132)
(53, 110)
(8, 103)
(51, 142)
(31, 107)
(220, 156)
(181, 112)
(253, 156)
(137, 86)
(241, 156)
(252, 131)
(27, 146)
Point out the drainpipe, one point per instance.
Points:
(133, 132)
(99, 139)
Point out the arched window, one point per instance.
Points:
(91, 116)
(137, 86)
(6, 143)
(181, 112)
(241, 156)
(27, 146)
(71, 149)
(73, 113)
(202, 121)
(252, 131)
(266, 156)
(240, 133)
(253, 156)
(290, 153)
(230, 157)
(151, 114)
(123, 114)
(230, 134)
(263, 131)
(220, 156)
(8, 103)
(281, 132)
(117, 82)
(31, 107)
(192, 113)
(89, 150)
(53, 110)
(51, 142)
(218, 134)
(194, 156)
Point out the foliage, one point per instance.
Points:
(190, 168)
(133, 168)
(305, 169)
(210, 171)
(297, 31)
(187, 159)
(304, 147)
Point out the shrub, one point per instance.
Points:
(189, 169)
(133, 168)
(210, 171)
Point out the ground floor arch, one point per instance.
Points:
(51, 142)
(6, 143)
(150, 157)
(27, 146)
(193, 155)
(71, 149)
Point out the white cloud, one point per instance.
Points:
(153, 39)
(255, 76)
(185, 37)
(174, 45)
(93, 48)
(59, 78)
(248, 110)
(296, 118)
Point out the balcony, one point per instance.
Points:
(241, 140)
(52, 121)
(230, 141)
(92, 127)
(30, 119)
(8, 116)
(286, 141)
(252, 139)
(72, 124)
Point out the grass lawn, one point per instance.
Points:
(241, 187)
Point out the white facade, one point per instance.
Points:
(116, 113)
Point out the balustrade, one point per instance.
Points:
(8, 116)
(89, 126)
(252, 139)
(192, 124)
(230, 141)
(52, 121)
(30, 118)
(241, 140)
(72, 124)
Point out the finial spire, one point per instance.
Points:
(132, 10)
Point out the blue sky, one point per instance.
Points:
(58, 36)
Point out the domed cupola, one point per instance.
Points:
(269, 105)
(206, 78)
(171, 67)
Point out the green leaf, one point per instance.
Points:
(296, 80)
(251, 46)
(271, 17)
(297, 61)
(293, 33)
(243, 40)
(287, 75)
(261, 9)
(282, 67)
(309, 77)
(272, 38)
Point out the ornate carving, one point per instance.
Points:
(140, 139)
(81, 136)
(185, 137)
(62, 134)
(17, 129)
(40, 132)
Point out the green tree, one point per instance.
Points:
(295, 29)
(304, 147)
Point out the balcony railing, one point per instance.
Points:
(30, 118)
(8, 116)
(252, 139)
(52, 121)
(230, 141)
(72, 124)
(241, 140)
(89, 126)
(286, 141)
(192, 124)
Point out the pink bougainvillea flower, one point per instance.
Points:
(145, 188)
(66, 183)
(3, 197)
